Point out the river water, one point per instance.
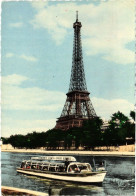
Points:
(120, 178)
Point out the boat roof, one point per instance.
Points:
(78, 163)
(54, 158)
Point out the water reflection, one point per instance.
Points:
(76, 191)
(65, 188)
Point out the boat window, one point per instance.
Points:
(33, 166)
(82, 167)
(73, 168)
(28, 162)
(45, 167)
(79, 167)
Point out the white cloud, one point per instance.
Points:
(107, 27)
(23, 56)
(19, 99)
(55, 19)
(15, 97)
(13, 79)
(39, 4)
(12, 127)
(28, 58)
(16, 25)
(9, 55)
(105, 108)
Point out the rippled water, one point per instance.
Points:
(120, 178)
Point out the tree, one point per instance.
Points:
(118, 120)
(18, 141)
(92, 132)
(131, 125)
(118, 128)
(53, 137)
(4, 140)
(74, 134)
(132, 114)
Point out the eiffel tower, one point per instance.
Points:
(78, 106)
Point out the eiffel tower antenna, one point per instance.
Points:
(78, 106)
(76, 15)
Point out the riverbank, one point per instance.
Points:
(59, 152)
(17, 191)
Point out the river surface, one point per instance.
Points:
(120, 178)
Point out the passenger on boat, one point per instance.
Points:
(71, 170)
(33, 167)
(28, 167)
(74, 169)
(66, 164)
(77, 170)
(23, 164)
(37, 167)
(102, 163)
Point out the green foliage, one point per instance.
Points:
(92, 132)
(31, 140)
(118, 120)
(119, 129)
(17, 141)
(132, 114)
(75, 134)
(53, 137)
(4, 140)
(35, 140)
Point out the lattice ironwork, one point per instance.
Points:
(78, 106)
(77, 81)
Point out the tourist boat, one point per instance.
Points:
(64, 168)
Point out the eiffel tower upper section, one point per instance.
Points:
(77, 81)
(78, 106)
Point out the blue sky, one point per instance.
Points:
(37, 44)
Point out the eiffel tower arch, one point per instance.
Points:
(78, 106)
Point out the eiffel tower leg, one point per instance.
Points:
(70, 106)
(90, 111)
(78, 105)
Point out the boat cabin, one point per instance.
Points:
(79, 168)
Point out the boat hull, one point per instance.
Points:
(87, 178)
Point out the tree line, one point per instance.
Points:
(120, 130)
